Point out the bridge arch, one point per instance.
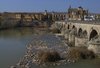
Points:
(93, 34)
(80, 32)
(68, 26)
(73, 27)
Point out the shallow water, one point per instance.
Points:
(95, 63)
(13, 45)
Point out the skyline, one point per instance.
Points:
(50, 5)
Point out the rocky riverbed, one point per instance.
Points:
(47, 49)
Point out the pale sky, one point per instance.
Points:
(50, 5)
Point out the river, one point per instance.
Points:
(13, 45)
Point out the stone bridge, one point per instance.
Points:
(82, 33)
(88, 29)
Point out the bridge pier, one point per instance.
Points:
(81, 42)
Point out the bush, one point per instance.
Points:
(55, 30)
(71, 44)
(76, 53)
(87, 54)
(73, 54)
(48, 56)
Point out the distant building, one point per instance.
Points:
(96, 16)
(29, 17)
(76, 13)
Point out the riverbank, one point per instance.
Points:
(45, 44)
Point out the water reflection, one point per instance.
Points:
(18, 32)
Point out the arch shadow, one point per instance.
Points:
(93, 34)
(80, 32)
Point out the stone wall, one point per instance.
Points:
(11, 19)
(80, 42)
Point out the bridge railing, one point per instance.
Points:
(95, 22)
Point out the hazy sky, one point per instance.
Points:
(50, 5)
